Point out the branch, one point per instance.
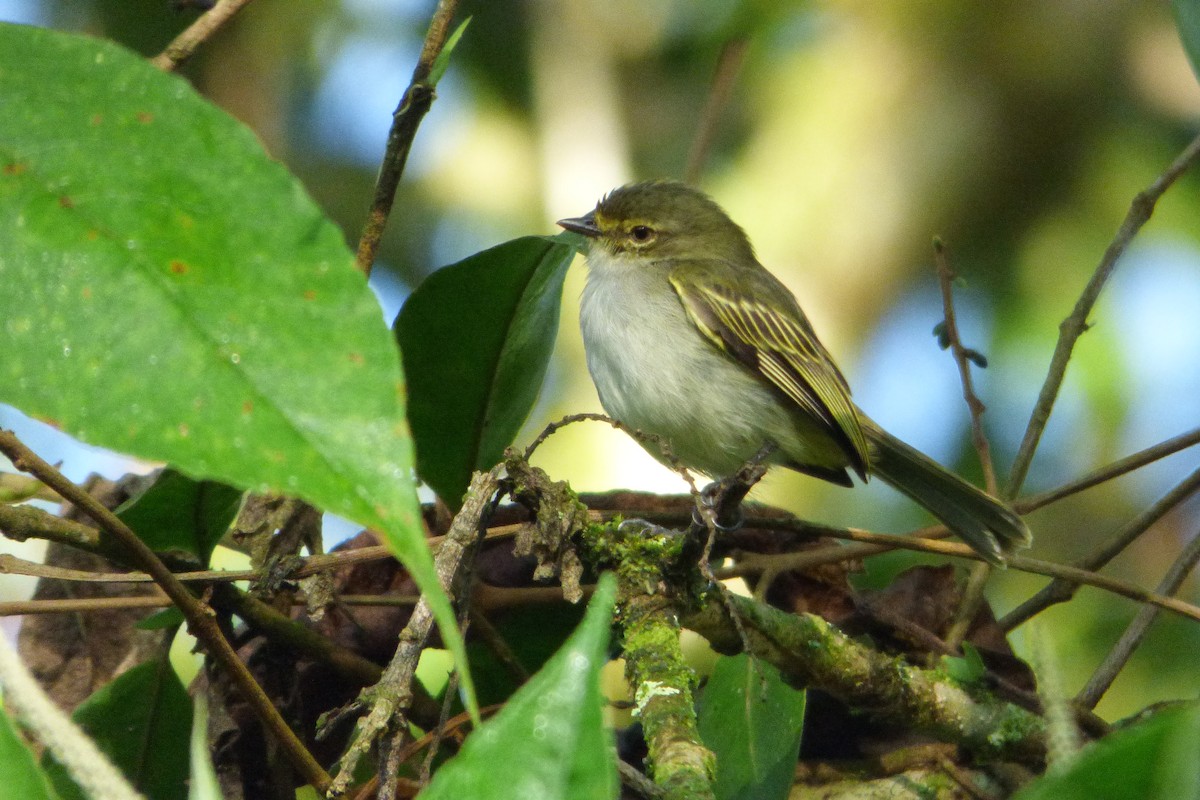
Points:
(973, 595)
(1106, 473)
(963, 358)
(754, 563)
(1102, 679)
(662, 682)
(201, 623)
(1074, 325)
(811, 652)
(186, 43)
(729, 64)
(414, 105)
(1063, 589)
(21, 523)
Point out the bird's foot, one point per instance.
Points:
(644, 527)
(710, 498)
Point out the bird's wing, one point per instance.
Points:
(776, 341)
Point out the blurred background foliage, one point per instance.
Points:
(856, 131)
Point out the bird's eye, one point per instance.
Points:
(641, 233)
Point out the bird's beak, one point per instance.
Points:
(585, 225)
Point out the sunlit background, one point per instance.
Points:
(855, 132)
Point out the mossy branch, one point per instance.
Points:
(810, 652)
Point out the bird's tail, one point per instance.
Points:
(991, 528)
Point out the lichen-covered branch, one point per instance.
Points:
(662, 683)
(811, 652)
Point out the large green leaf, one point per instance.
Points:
(549, 741)
(476, 338)
(20, 774)
(171, 292)
(752, 722)
(1187, 21)
(182, 514)
(1155, 759)
(142, 721)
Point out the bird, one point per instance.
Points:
(689, 338)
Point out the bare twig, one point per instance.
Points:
(973, 595)
(1076, 323)
(729, 64)
(186, 43)
(754, 563)
(1062, 589)
(201, 623)
(1107, 473)
(82, 605)
(962, 358)
(414, 105)
(1104, 676)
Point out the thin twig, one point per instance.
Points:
(973, 595)
(1074, 325)
(27, 522)
(82, 605)
(1062, 590)
(201, 623)
(388, 700)
(186, 43)
(1106, 473)
(729, 64)
(755, 563)
(962, 359)
(414, 105)
(1104, 676)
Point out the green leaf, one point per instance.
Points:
(476, 338)
(182, 514)
(752, 721)
(173, 293)
(1187, 21)
(142, 721)
(1155, 759)
(20, 774)
(549, 741)
(443, 58)
(167, 618)
(203, 783)
(968, 668)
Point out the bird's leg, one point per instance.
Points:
(724, 497)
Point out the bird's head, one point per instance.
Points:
(662, 220)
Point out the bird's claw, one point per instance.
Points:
(710, 498)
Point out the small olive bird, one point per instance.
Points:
(690, 338)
